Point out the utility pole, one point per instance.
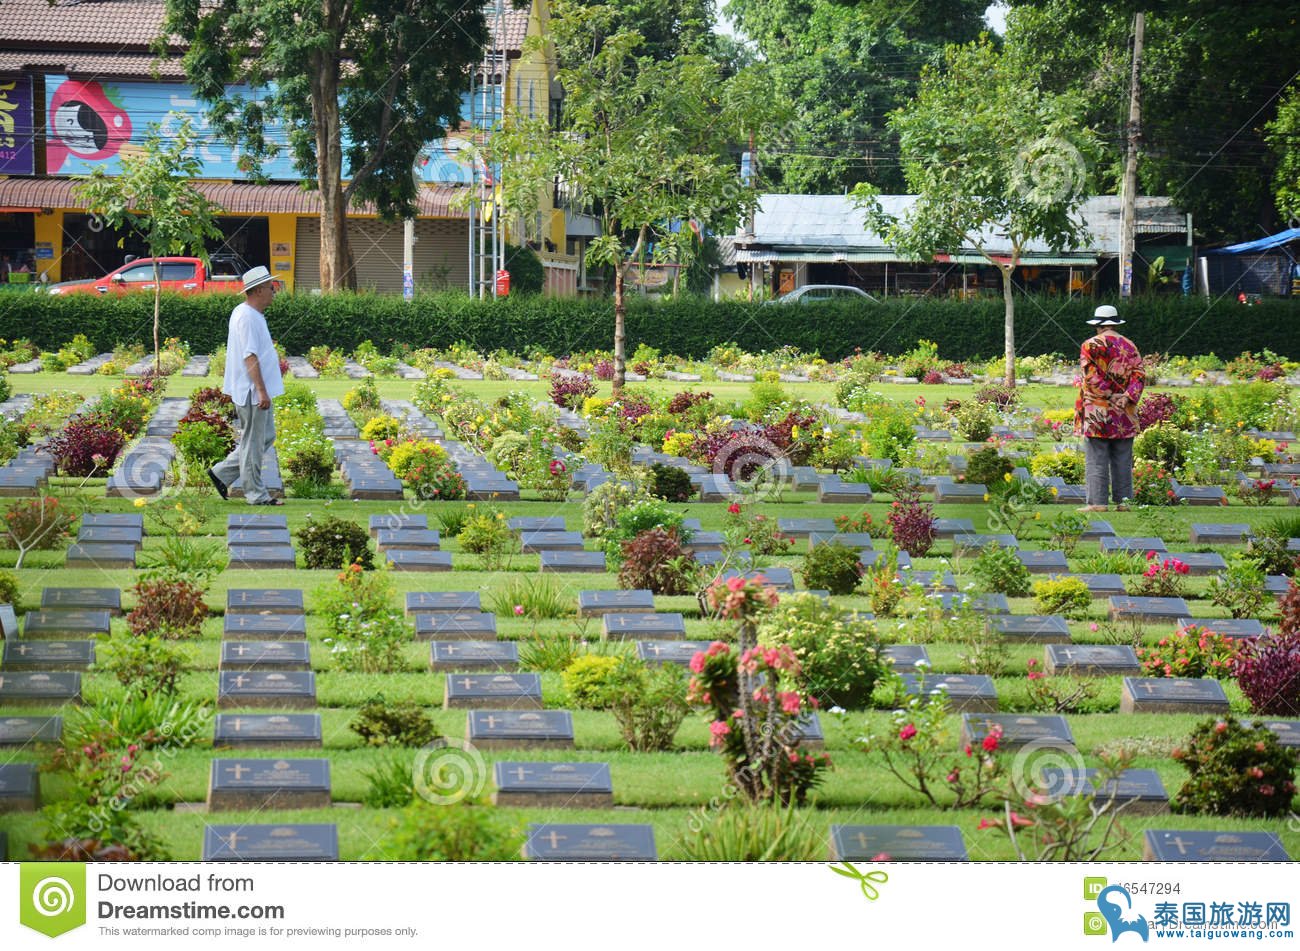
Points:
(1128, 220)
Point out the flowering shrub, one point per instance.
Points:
(1001, 571)
(1152, 485)
(1268, 673)
(203, 441)
(381, 427)
(365, 633)
(1235, 771)
(1162, 577)
(1164, 444)
(917, 750)
(974, 421)
(570, 389)
(839, 656)
(756, 727)
(743, 526)
(1191, 651)
(85, 447)
(863, 523)
(656, 560)
(334, 543)
(911, 523)
(123, 411)
(1257, 492)
(1057, 693)
(36, 524)
(1067, 464)
(167, 607)
(999, 394)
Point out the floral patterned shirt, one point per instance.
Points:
(1111, 365)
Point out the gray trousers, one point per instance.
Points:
(1109, 470)
(245, 460)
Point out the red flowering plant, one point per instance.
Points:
(1257, 492)
(745, 528)
(1056, 693)
(1152, 485)
(1191, 651)
(104, 783)
(755, 723)
(1235, 770)
(1162, 577)
(1054, 816)
(917, 750)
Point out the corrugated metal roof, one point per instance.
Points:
(235, 198)
(834, 222)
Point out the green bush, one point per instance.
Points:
(1235, 771)
(832, 568)
(839, 656)
(1001, 571)
(144, 664)
(985, 467)
(1068, 597)
(670, 483)
(393, 724)
(740, 833)
(1164, 444)
(527, 274)
(1067, 464)
(648, 702)
(586, 680)
(10, 592)
(974, 421)
(334, 543)
(457, 833)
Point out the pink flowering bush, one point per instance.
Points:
(917, 749)
(1191, 651)
(1162, 578)
(1235, 771)
(755, 722)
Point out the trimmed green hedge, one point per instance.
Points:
(689, 327)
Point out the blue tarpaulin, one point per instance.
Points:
(1260, 245)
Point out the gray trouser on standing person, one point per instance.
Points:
(1109, 470)
(245, 460)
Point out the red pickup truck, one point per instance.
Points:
(179, 275)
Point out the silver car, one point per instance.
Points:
(820, 293)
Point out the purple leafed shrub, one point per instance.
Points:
(1156, 408)
(999, 394)
(81, 441)
(932, 378)
(1268, 672)
(570, 390)
(603, 369)
(911, 524)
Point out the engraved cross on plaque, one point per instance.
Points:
(555, 838)
(466, 682)
(232, 840)
(520, 773)
(239, 769)
(239, 680)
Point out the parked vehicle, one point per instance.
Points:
(179, 275)
(820, 293)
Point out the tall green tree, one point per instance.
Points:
(844, 66)
(1284, 138)
(642, 144)
(995, 164)
(154, 196)
(386, 76)
(1212, 79)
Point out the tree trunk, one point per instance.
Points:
(620, 330)
(1010, 306)
(336, 268)
(157, 311)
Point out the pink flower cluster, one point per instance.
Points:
(774, 658)
(1168, 566)
(738, 597)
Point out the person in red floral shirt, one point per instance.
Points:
(1105, 413)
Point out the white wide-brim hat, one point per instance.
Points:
(1105, 316)
(256, 278)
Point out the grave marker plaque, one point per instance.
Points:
(403, 559)
(599, 603)
(906, 656)
(1165, 845)
(968, 693)
(267, 731)
(590, 843)
(634, 626)
(250, 557)
(1172, 695)
(1018, 730)
(105, 555)
(1168, 610)
(591, 562)
(669, 652)
(20, 787)
(1032, 628)
(1091, 660)
(259, 627)
(493, 692)
(439, 602)
(264, 601)
(553, 785)
(82, 599)
(898, 843)
(456, 656)
(256, 784)
(40, 689)
(395, 521)
(265, 655)
(1140, 791)
(48, 655)
(520, 729)
(61, 623)
(260, 688)
(271, 843)
(1228, 627)
(20, 731)
(466, 625)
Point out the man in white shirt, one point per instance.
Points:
(252, 381)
